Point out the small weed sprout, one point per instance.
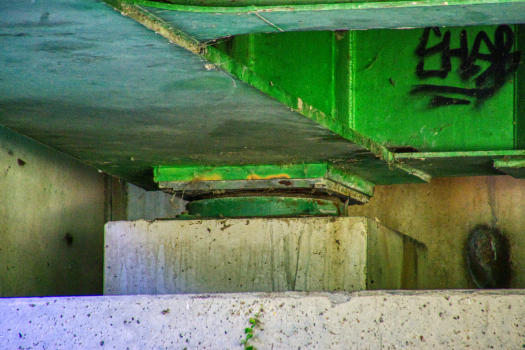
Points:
(254, 321)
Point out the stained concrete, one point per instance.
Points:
(441, 213)
(151, 205)
(292, 320)
(258, 255)
(51, 221)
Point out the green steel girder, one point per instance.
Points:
(105, 90)
(373, 88)
(334, 81)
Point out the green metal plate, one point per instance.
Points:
(427, 101)
(264, 206)
(514, 168)
(447, 164)
(247, 172)
(202, 178)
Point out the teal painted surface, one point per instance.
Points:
(85, 80)
(262, 206)
(204, 23)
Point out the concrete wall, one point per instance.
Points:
(291, 320)
(47, 195)
(51, 221)
(441, 213)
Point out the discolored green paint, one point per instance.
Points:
(516, 163)
(247, 172)
(263, 206)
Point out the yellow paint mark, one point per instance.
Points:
(277, 176)
(207, 178)
(299, 104)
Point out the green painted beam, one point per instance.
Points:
(106, 90)
(366, 85)
(268, 70)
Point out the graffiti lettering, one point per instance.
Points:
(503, 63)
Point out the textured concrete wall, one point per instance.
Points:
(258, 255)
(291, 320)
(152, 205)
(51, 221)
(441, 213)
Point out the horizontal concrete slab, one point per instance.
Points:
(291, 320)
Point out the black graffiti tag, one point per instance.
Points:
(503, 63)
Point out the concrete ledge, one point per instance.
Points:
(290, 320)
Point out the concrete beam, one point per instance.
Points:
(291, 320)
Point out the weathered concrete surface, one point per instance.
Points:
(152, 205)
(291, 320)
(51, 221)
(441, 213)
(258, 255)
